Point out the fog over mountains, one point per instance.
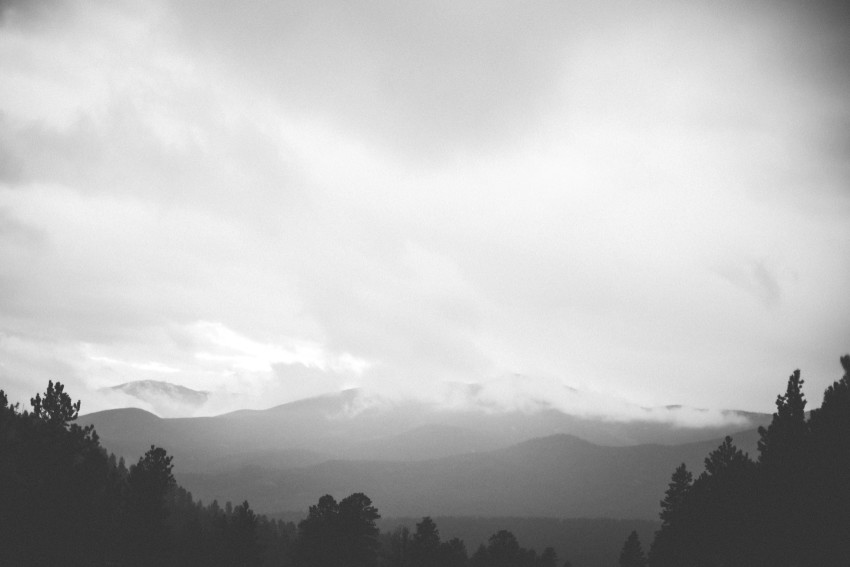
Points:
(164, 398)
(418, 458)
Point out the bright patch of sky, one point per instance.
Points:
(644, 204)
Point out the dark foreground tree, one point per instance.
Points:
(632, 553)
(339, 534)
(671, 545)
(503, 550)
(790, 508)
(52, 479)
(425, 545)
(358, 531)
(828, 510)
(63, 501)
(148, 485)
(56, 408)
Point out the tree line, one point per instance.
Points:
(790, 507)
(65, 501)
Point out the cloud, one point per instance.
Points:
(421, 78)
(648, 203)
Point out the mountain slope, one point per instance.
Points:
(557, 476)
(165, 398)
(351, 426)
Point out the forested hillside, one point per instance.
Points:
(66, 501)
(555, 476)
(356, 425)
(789, 507)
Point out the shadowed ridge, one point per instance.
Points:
(558, 443)
(122, 414)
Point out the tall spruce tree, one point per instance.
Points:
(671, 544)
(358, 530)
(632, 554)
(675, 495)
(787, 433)
(829, 525)
(148, 485)
(339, 534)
(425, 545)
(784, 479)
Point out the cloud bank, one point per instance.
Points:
(272, 202)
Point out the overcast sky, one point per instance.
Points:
(644, 201)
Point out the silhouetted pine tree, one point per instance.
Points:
(339, 534)
(791, 508)
(52, 479)
(148, 485)
(358, 529)
(503, 550)
(632, 553)
(548, 558)
(63, 501)
(425, 544)
(318, 542)
(829, 509)
(396, 548)
(784, 479)
(452, 553)
(672, 544)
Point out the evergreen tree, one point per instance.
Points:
(480, 558)
(548, 558)
(396, 548)
(452, 553)
(148, 485)
(339, 534)
(787, 434)
(52, 477)
(318, 535)
(56, 408)
(671, 545)
(425, 545)
(149, 482)
(242, 537)
(632, 553)
(784, 478)
(708, 522)
(674, 498)
(357, 524)
(829, 507)
(791, 508)
(503, 549)
(63, 501)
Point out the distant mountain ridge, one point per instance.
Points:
(556, 476)
(164, 398)
(344, 426)
(415, 459)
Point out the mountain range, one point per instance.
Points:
(416, 459)
(164, 398)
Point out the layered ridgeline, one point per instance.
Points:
(67, 501)
(165, 398)
(356, 424)
(419, 458)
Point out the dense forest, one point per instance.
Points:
(789, 507)
(65, 500)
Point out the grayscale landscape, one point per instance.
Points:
(325, 283)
